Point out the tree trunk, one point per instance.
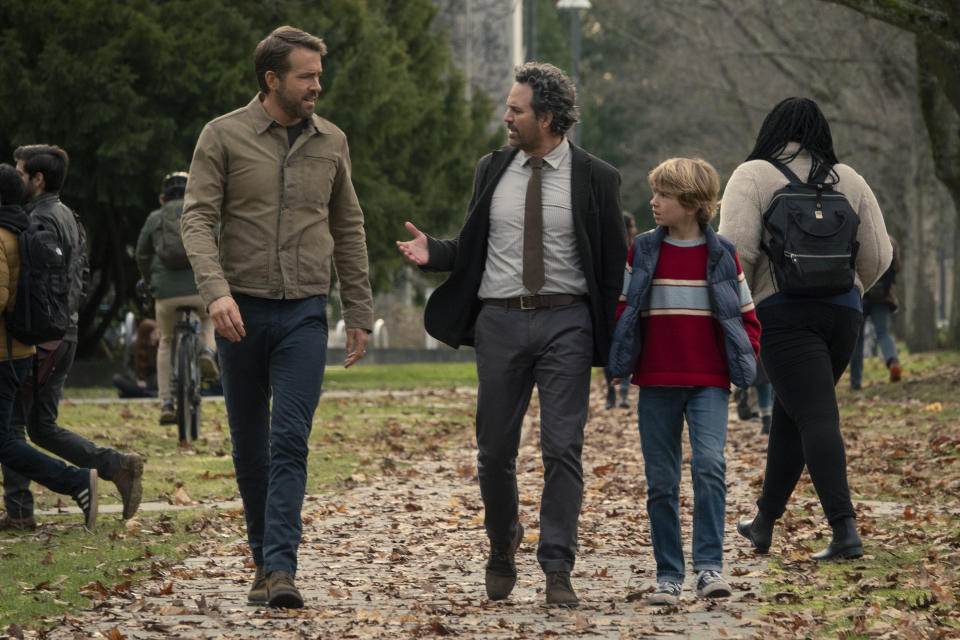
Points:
(943, 124)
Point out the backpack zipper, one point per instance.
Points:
(816, 255)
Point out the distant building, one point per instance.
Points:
(486, 43)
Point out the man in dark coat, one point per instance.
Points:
(535, 275)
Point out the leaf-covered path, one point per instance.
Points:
(402, 555)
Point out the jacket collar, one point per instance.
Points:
(262, 121)
(42, 201)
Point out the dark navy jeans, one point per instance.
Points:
(39, 420)
(282, 357)
(20, 456)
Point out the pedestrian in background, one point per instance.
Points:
(879, 304)
(163, 263)
(43, 170)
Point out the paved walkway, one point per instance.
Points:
(403, 555)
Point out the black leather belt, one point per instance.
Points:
(535, 302)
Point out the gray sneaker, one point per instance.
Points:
(667, 593)
(710, 584)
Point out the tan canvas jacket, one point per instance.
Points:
(283, 212)
(9, 274)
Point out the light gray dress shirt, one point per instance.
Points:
(503, 273)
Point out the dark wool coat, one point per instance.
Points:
(452, 310)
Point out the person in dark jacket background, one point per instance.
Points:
(43, 170)
(879, 303)
(17, 456)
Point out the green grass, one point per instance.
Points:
(354, 438)
(903, 449)
(64, 567)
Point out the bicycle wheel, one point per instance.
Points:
(196, 389)
(187, 377)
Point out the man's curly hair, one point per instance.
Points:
(553, 92)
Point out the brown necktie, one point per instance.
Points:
(533, 276)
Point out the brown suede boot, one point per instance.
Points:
(501, 573)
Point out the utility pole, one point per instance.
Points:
(530, 29)
(574, 6)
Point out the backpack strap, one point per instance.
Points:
(785, 170)
(820, 177)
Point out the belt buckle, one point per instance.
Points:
(523, 304)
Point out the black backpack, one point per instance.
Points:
(812, 233)
(42, 309)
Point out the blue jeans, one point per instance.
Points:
(37, 416)
(282, 356)
(661, 411)
(879, 314)
(20, 456)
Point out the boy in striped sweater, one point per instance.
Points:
(687, 330)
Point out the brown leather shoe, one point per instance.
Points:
(258, 591)
(9, 523)
(559, 590)
(501, 573)
(128, 481)
(282, 592)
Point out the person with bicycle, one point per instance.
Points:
(163, 263)
(276, 177)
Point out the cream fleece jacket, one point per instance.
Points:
(748, 194)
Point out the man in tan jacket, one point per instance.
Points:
(276, 177)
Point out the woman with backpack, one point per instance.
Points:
(807, 338)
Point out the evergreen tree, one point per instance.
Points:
(126, 85)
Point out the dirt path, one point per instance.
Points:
(403, 555)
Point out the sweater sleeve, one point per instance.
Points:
(876, 251)
(740, 220)
(747, 309)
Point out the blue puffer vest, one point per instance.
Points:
(724, 298)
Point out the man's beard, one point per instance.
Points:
(293, 107)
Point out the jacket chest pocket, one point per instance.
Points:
(313, 178)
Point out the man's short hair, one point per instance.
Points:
(553, 92)
(48, 159)
(11, 185)
(273, 52)
(692, 181)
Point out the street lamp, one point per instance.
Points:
(574, 6)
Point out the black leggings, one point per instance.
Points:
(805, 348)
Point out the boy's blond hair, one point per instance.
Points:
(692, 181)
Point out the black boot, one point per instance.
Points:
(765, 422)
(611, 397)
(846, 542)
(759, 531)
(623, 399)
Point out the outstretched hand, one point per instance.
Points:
(415, 250)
